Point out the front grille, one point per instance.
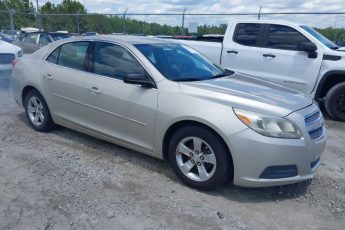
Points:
(279, 172)
(314, 163)
(6, 58)
(314, 123)
(316, 134)
(312, 118)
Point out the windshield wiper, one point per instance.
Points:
(188, 79)
(224, 74)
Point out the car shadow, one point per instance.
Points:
(91, 145)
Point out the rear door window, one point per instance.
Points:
(54, 56)
(73, 55)
(247, 34)
(284, 37)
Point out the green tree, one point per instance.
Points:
(20, 19)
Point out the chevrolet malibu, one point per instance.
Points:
(169, 101)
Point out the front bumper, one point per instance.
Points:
(253, 154)
(5, 70)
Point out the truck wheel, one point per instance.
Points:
(199, 157)
(335, 102)
(37, 112)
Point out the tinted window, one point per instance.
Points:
(44, 39)
(180, 63)
(31, 38)
(53, 57)
(320, 37)
(247, 34)
(114, 61)
(26, 38)
(284, 37)
(57, 37)
(73, 55)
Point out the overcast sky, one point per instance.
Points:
(209, 6)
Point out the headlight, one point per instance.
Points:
(20, 53)
(268, 125)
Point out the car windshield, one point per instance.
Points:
(180, 63)
(320, 37)
(60, 36)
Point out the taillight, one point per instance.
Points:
(14, 62)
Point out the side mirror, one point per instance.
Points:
(308, 47)
(139, 79)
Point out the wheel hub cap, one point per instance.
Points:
(196, 159)
(35, 111)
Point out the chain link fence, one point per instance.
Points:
(332, 25)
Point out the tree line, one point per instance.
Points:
(26, 17)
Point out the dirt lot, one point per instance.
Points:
(67, 180)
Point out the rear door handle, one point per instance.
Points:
(48, 76)
(95, 90)
(269, 55)
(232, 52)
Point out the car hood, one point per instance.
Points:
(6, 47)
(245, 92)
(341, 49)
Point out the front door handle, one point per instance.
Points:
(269, 55)
(48, 76)
(95, 90)
(232, 52)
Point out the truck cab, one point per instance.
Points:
(293, 55)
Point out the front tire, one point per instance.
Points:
(335, 102)
(37, 112)
(199, 157)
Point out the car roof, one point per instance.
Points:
(125, 39)
(45, 32)
(264, 21)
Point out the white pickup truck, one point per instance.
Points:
(286, 53)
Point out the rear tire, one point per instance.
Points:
(37, 112)
(335, 102)
(199, 157)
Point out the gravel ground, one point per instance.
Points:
(67, 180)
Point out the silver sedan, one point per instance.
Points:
(169, 101)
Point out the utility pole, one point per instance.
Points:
(124, 21)
(12, 12)
(182, 29)
(78, 22)
(259, 14)
(38, 16)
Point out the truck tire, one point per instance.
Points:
(335, 102)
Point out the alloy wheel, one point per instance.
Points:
(196, 159)
(35, 111)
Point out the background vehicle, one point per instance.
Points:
(11, 33)
(31, 42)
(6, 38)
(8, 55)
(289, 54)
(90, 34)
(25, 30)
(169, 101)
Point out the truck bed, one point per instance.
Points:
(212, 49)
